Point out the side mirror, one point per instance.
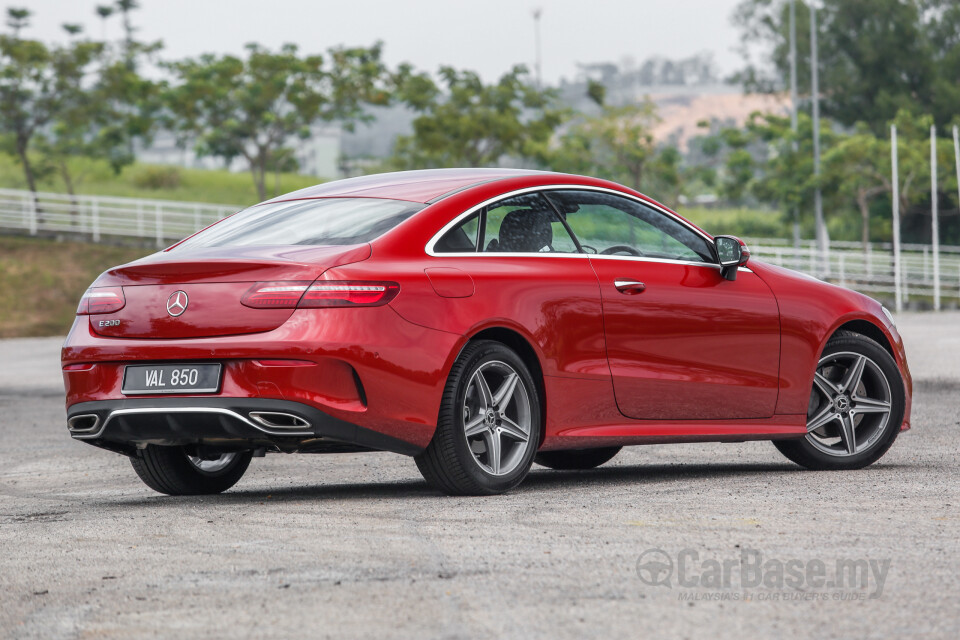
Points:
(733, 253)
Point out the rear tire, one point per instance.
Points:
(576, 459)
(172, 471)
(489, 424)
(858, 419)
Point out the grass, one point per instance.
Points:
(95, 177)
(42, 281)
(748, 223)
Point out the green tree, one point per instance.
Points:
(876, 56)
(37, 83)
(767, 160)
(17, 19)
(858, 169)
(67, 134)
(618, 144)
(251, 107)
(474, 124)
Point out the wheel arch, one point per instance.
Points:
(864, 328)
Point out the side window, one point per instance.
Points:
(615, 225)
(525, 224)
(462, 238)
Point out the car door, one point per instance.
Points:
(683, 343)
(526, 271)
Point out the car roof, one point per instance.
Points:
(422, 186)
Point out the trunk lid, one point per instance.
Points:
(197, 293)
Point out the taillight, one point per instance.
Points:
(275, 295)
(319, 294)
(348, 294)
(101, 300)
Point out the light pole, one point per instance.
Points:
(815, 97)
(537, 13)
(934, 215)
(793, 106)
(793, 65)
(896, 218)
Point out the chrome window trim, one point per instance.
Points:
(429, 248)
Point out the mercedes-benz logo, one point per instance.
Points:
(177, 303)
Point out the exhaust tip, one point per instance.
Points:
(83, 424)
(279, 420)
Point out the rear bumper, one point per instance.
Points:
(364, 367)
(227, 423)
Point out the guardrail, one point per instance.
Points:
(163, 222)
(97, 217)
(870, 271)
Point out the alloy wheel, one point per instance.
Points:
(497, 417)
(214, 465)
(850, 404)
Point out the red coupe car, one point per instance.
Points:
(479, 321)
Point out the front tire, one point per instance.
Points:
(576, 459)
(175, 472)
(856, 407)
(489, 424)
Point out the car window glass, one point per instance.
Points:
(613, 225)
(321, 221)
(525, 224)
(462, 238)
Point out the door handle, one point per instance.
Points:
(629, 287)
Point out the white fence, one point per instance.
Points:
(163, 222)
(96, 217)
(870, 271)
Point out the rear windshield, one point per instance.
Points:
(327, 221)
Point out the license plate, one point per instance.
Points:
(171, 378)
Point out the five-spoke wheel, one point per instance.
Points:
(489, 424)
(855, 409)
(497, 423)
(850, 404)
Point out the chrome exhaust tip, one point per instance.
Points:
(279, 421)
(83, 424)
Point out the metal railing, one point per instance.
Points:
(870, 271)
(97, 217)
(163, 222)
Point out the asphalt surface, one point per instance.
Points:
(357, 546)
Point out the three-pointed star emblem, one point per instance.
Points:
(177, 303)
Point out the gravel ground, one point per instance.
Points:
(357, 546)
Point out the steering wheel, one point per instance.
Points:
(586, 246)
(622, 248)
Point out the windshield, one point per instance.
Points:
(325, 221)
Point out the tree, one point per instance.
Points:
(252, 107)
(76, 111)
(858, 169)
(104, 12)
(17, 19)
(103, 105)
(618, 144)
(876, 56)
(130, 45)
(29, 91)
(473, 124)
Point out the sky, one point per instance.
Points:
(487, 36)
